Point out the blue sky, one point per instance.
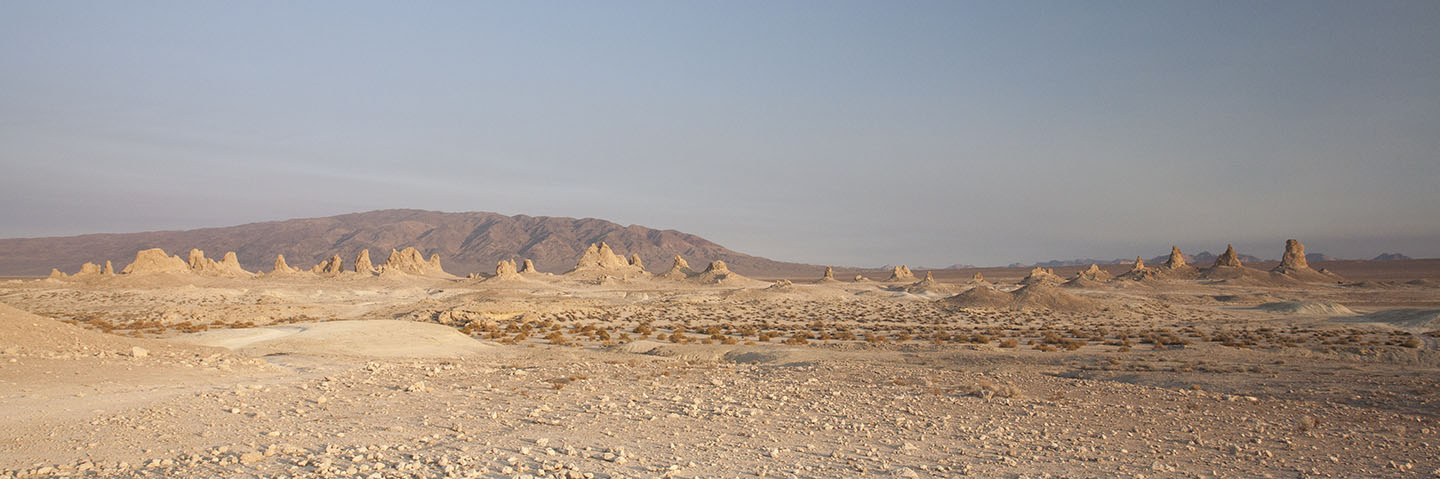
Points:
(827, 132)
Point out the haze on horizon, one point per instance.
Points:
(859, 133)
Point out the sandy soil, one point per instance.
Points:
(551, 377)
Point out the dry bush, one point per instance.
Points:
(987, 389)
(560, 383)
(1009, 343)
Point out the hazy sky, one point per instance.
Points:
(856, 133)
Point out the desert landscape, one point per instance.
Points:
(1016, 239)
(177, 366)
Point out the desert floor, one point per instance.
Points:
(347, 376)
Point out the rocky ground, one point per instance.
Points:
(552, 378)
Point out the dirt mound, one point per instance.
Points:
(26, 334)
(154, 260)
(1414, 320)
(409, 261)
(981, 297)
(1083, 282)
(374, 338)
(1046, 296)
(1307, 308)
(1028, 298)
(901, 273)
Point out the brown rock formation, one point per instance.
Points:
(281, 267)
(1041, 275)
(901, 273)
(1228, 259)
(409, 261)
(1094, 273)
(89, 269)
(636, 262)
(1176, 260)
(1294, 258)
(108, 270)
(154, 260)
(829, 275)
(506, 270)
(363, 263)
(57, 274)
(332, 266)
(928, 285)
(679, 270)
(717, 273)
(528, 268)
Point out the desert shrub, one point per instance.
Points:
(986, 389)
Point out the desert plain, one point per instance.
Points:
(192, 367)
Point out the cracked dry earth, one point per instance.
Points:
(925, 399)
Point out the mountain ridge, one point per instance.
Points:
(467, 242)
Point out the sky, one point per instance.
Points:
(835, 132)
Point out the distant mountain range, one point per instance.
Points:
(1204, 258)
(466, 242)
